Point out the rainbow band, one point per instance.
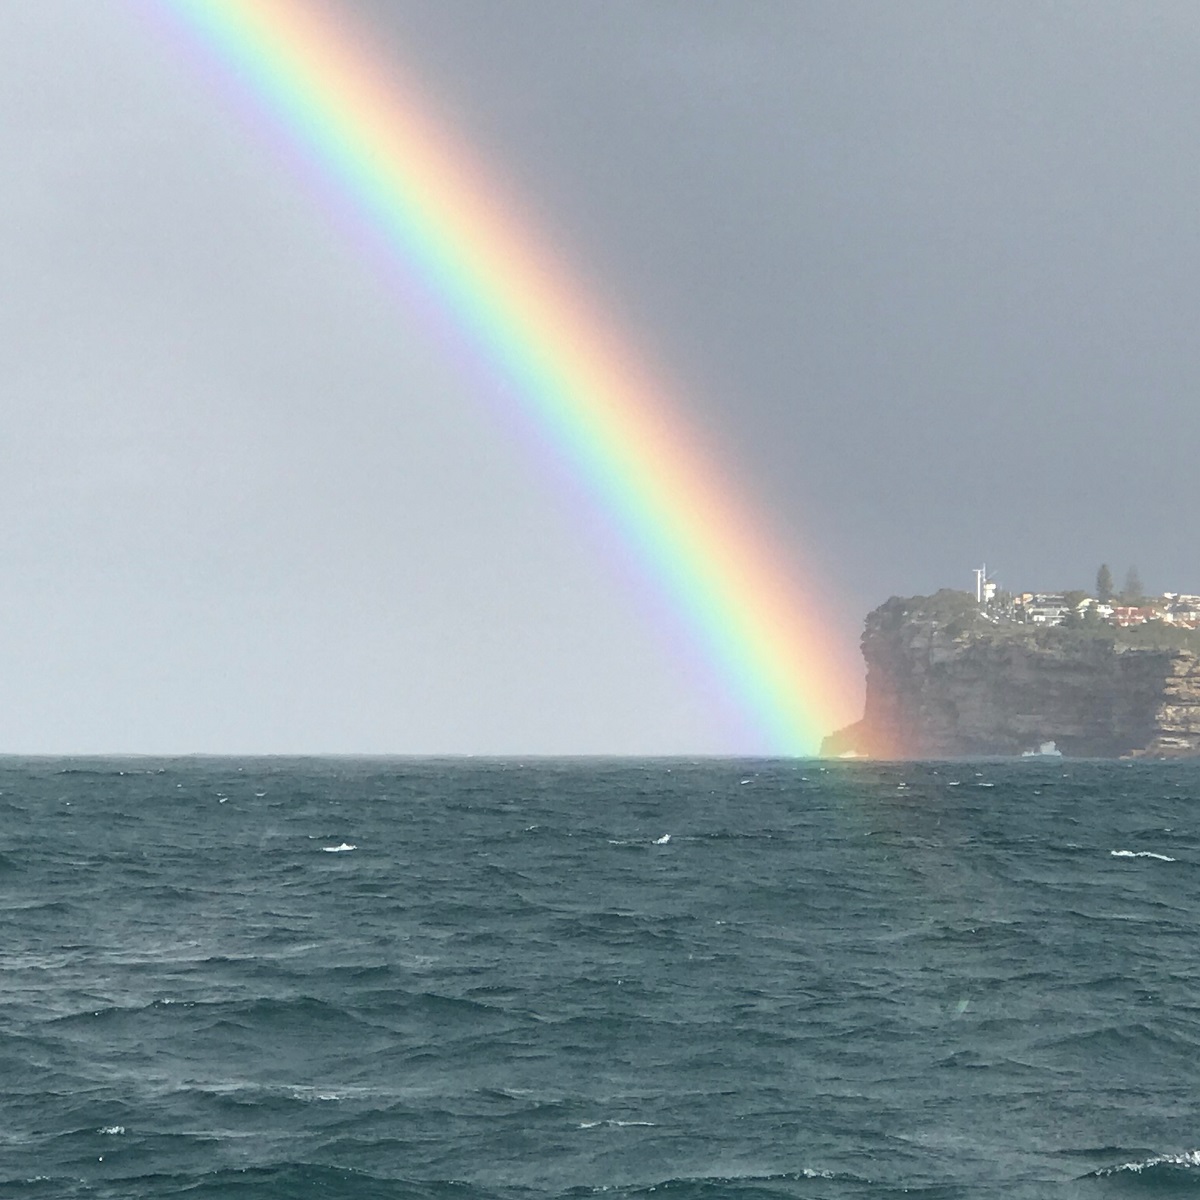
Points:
(612, 425)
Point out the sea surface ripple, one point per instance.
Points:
(503, 980)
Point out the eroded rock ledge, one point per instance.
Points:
(943, 681)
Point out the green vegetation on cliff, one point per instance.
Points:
(956, 614)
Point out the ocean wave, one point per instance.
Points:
(97, 773)
(617, 1124)
(1141, 854)
(767, 1185)
(1143, 1035)
(261, 1013)
(269, 1182)
(1184, 1166)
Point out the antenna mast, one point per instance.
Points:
(980, 580)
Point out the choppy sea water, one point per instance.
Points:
(486, 980)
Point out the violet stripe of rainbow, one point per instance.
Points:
(580, 384)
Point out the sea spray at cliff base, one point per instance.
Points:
(712, 980)
(575, 378)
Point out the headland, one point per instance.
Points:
(995, 673)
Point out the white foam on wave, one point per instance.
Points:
(311, 1093)
(339, 849)
(614, 1124)
(1189, 1158)
(1141, 854)
(112, 1130)
(662, 841)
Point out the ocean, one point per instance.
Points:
(522, 980)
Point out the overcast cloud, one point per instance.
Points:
(927, 271)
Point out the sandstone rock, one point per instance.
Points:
(942, 681)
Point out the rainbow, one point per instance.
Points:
(612, 425)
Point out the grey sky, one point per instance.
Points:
(927, 271)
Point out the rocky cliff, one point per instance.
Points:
(945, 680)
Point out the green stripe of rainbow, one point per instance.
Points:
(580, 383)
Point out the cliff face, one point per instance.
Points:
(943, 681)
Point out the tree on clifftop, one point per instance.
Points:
(1104, 584)
(1073, 617)
(1132, 593)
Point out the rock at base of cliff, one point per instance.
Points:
(852, 741)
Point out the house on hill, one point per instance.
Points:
(1042, 608)
(1126, 615)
